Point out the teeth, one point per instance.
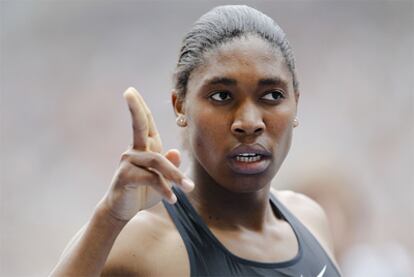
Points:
(248, 159)
(248, 154)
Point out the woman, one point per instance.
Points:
(235, 96)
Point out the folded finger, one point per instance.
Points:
(161, 165)
(145, 179)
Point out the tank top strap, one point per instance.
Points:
(187, 219)
(281, 210)
(198, 241)
(209, 257)
(310, 244)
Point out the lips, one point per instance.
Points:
(249, 148)
(249, 159)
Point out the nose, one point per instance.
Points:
(248, 121)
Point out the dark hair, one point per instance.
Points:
(221, 25)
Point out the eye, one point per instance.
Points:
(273, 96)
(220, 96)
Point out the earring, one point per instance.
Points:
(181, 121)
(295, 123)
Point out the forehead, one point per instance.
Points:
(245, 59)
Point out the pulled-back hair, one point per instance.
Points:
(221, 25)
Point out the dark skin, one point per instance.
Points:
(259, 108)
(241, 95)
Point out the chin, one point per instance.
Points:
(243, 183)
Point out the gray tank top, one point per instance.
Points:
(208, 257)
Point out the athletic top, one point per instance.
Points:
(208, 257)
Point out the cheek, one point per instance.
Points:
(280, 122)
(279, 126)
(206, 129)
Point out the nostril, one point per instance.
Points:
(258, 130)
(239, 130)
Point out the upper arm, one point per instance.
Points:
(134, 247)
(144, 248)
(311, 214)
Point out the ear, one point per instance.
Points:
(177, 102)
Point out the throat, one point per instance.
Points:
(223, 209)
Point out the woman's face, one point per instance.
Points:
(240, 106)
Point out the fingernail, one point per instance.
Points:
(187, 184)
(172, 199)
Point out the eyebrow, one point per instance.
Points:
(232, 82)
(271, 81)
(222, 81)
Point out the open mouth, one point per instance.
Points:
(249, 159)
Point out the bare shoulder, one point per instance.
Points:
(144, 247)
(303, 207)
(311, 214)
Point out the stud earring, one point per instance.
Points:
(295, 123)
(181, 121)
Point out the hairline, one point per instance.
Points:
(276, 49)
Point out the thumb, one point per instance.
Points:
(174, 156)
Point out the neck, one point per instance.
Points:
(222, 208)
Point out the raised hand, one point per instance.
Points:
(143, 176)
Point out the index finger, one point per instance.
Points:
(152, 129)
(139, 119)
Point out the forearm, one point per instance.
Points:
(87, 255)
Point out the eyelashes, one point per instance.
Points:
(220, 96)
(273, 96)
(225, 96)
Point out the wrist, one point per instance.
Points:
(104, 215)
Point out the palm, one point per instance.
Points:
(143, 177)
(147, 195)
(145, 138)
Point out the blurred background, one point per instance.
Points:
(64, 67)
